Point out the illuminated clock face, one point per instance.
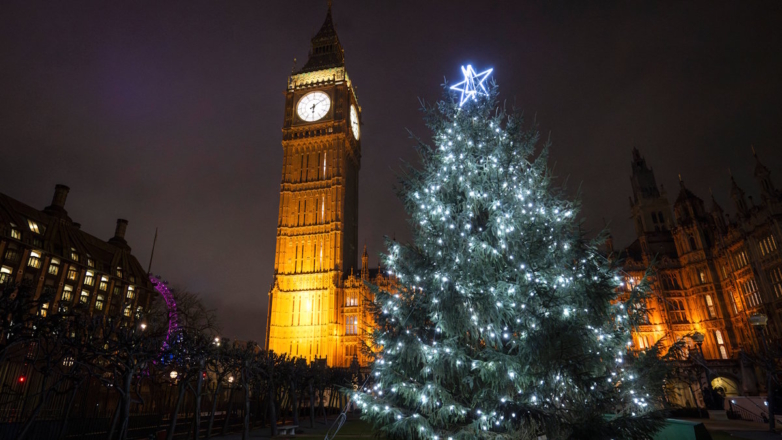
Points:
(313, 106)
(354, 121)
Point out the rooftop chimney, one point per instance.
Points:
(58, 201)
(122, 226)
(119, 234)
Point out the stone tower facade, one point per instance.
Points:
(317, 232)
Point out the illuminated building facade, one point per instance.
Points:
(316, 304)
(712, 270)
(51, 251)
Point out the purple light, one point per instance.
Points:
(161, 287)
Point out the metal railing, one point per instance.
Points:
(741, 413)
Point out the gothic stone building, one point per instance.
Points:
(317, 306)
(48, 249)
(712, 270)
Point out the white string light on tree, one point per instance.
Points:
(504, 320)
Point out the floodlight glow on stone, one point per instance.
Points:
(472, 84)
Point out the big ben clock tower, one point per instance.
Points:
(317, 230)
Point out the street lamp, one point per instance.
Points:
(706, 391)
(173, 375)
(759, 321)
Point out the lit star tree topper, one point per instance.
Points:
(472, 85)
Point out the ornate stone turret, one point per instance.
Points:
(365, 264)
(716, 212)
(763, 176)
(737, 194)
(688, 207)
(649, 205)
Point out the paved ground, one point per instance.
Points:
(357, 429)
(737, 429)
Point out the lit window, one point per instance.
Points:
(767, 245)
(89, 278)
(710, 307)
(15, 233)
(34, 226)
(54, 266)
(678, 314)
(119, 272)
(127, 311)
(735, 300)
(84, 298)
(44, 309)
(721, 344)
(351, 299)
(5, 274)
(67, 293)
(775, 275)
(35, 260)
(741, 259)
(131, 292)
(751, 293)
(702, 276)
(90, 262)
(73, 273)
(99, 302)
(12, 255)
(351, 325)
(74, 255)
(104, 283)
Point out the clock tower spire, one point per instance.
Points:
(317, 230)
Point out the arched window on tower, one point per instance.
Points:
(693, 245)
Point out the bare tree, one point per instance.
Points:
(190, 349)
(19, 314)
(219, 368)
(122, 351)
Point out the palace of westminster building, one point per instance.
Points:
(711, 270)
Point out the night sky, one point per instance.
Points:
(169, 114)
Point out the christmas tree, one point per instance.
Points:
(504, 322)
